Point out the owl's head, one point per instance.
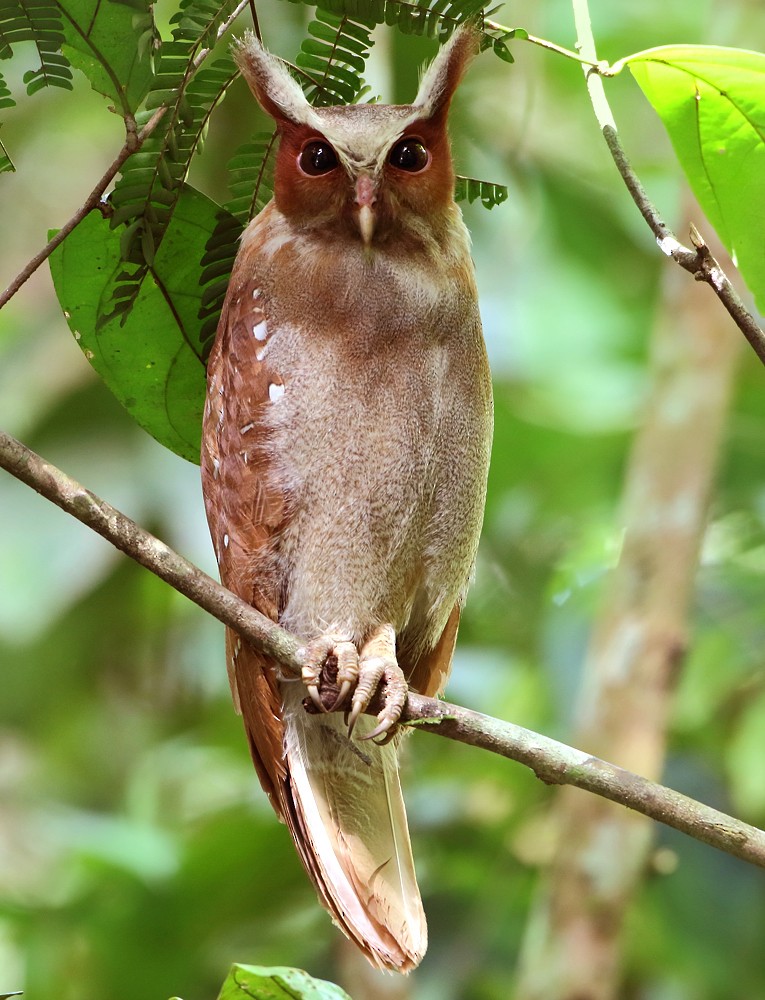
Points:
(372, 171)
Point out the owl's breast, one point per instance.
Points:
(377, 425)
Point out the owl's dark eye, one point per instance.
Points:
(409, 154)
(317, 158)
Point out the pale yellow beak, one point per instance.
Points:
(365, 199)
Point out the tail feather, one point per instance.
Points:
(347, 817)
(342, 802)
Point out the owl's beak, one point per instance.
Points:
(365, 199)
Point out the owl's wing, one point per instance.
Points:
(429, 672)
(246, 510)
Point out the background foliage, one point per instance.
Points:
(138, 857)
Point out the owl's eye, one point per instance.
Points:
(317, 158)
(409, 154)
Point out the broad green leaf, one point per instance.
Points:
(712, 102)
(111, 43)
(152, 362)
(261, 982)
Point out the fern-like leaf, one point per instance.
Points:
(146, 195)
(41, 22)
(217, 263)
(469, 189)
(197, 21)
(333, 57)
(6, 100)
(251, 185)
(251, 176)
(433, 18)
(151, 183)
(6, 164)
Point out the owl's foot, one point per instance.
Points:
(345, 663)
(377, 662)
(360, 672)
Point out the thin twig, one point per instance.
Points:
(558, 764)
(552, 762)
(133, 143)
(255, 22)
(200, 57)
(699, 262)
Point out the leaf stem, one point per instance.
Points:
(552, 762)
(699, 262)
(133, 142)
(200, 57)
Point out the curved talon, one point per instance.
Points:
(352, 717)
(313, 693)
(386, 737)
(384, 727)
(344, 690)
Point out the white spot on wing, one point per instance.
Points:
(260, 330)
(275, 391)
(247, 427)
(225, 541)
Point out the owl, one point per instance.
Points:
(345, 452)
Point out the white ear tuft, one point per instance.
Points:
(447, 69)
(277, 93)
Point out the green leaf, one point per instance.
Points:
(151, 361)
(145, 196)
(217, 263)
(107, 41)
(434, 18)
(260, 982)
(334, 58)
(6, 100)
(712, 103)
(469, 189)
(251, 176)
(40, 22)
(6, 164)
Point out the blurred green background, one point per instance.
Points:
(138, 856)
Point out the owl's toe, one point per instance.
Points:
(330, 669)
(378, 666)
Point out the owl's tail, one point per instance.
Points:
(347, 817)
(341, 800)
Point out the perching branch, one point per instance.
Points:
(552, 762)
(698, 261)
